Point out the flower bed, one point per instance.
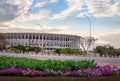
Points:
(106, 70)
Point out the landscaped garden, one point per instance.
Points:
(31, 67)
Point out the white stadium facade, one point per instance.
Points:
(47, 41)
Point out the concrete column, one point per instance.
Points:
(24, 39)
(35, 40)
(38, 40)
(28, 40)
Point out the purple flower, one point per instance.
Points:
(97, 72)
(78, 72)
(89, 72)
(35, 73)
(105, 70)
(9, 71)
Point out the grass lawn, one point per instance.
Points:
(18, 78)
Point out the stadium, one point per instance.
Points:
(48, 41)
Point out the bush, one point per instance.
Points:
(7, 62)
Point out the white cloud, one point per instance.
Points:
(53, 1)
(29, 17)
(5, 24)
(102, 8)
(40, 4)
(11, 9)
(115, 9)
(6, 8)
(96, 8)
(112, 38)
(58, 29)
(37, 29)
(73, 5)
(20, 10)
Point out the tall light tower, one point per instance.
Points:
(42, 35)
(89, 25)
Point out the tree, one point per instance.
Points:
(27, 48)
(118, 52)
(69, 51)
(36, 49)
(86, 43)
(110, 50)
(95, 52)
(2, 41)
(101, 50)
(63, 51)
(75, 52)
(21, 48)
(57, 51)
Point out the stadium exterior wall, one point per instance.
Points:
(47, 40)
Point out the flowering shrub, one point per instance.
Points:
(105, 70)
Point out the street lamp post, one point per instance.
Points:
(89, 38)
(42, 36)
(89, 25)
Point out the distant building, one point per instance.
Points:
(46, 40)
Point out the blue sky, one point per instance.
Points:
(63, 16)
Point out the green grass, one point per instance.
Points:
(17, 78)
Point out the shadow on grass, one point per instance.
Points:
(17, 78)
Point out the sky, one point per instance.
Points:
(63, 17)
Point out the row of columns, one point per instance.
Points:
(49, 40)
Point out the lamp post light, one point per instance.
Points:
(42, 35)
(89, 38)
(89, 25)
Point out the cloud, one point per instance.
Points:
(30, 17)
(6, 8)
(102, 8)
(73, 5)
(19, 10)
(40, 4)
(96, 8)
(112, 38)
(57, 29)
(53, 1)
(46, 29)
(12, 9)
(5, 25)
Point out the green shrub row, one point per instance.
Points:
(7, 62)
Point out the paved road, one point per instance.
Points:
(100, 60)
